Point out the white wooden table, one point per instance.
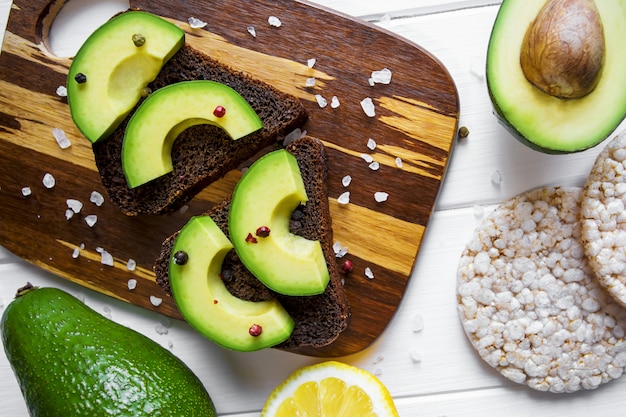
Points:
(450, 379)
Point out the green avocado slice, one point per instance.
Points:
(543, 122)
(152, 129)
(113, 66)
(205, 302)
(258, 224)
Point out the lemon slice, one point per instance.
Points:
(330, 389)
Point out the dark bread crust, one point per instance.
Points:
(318, 319)
(203, 153)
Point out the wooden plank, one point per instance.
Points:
(417, 117)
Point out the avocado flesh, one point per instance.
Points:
(547, 123)
(157, 122)
(117, 70)
(71, 361)
(205, 302)
(266, 195)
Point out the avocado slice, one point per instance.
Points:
(157, 122)
(205, 302)
(113, 66)
(70, 360)
(258, 222)
(542, 121)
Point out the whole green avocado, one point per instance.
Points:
(70, 360)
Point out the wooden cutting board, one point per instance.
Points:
(416, 120)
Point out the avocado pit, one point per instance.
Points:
(563, 49)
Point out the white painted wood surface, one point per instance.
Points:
(450, 379)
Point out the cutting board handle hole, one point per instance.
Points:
(67, 24)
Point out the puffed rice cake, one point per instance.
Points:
(528, 300)
(603, 217)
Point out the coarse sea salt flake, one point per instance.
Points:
(91, 220)
(106, 258)
(368, 107)
(368, 273)
(274, 21)
(334, 102)
(48, 180)
(344, 198)
(381, 196)
(310, 82)
(61, 91)
(62, 140)
(311, 62)
(75, 205)
(367, 158)
(75, 253)
(321, 101)
(399, 162)
(96, 198)
(132, 284)
(417, 323)
(374, 166)
(26, 191)
(160, 329)
(346, 180)
(252, 31)
(496, 177)
(131, 265)
(196, 23)
(69, 213)
(415, 356)
(156, 301)
(371, 144)
(382, 76)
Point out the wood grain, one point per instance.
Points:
(416, 120)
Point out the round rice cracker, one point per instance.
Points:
(603, 217)
(529, 302)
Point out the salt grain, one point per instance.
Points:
(415, 356)
(334, 102)
(381, 77)
(399, 162)
(26, 191)
(48, 180)
(106, 258)
(76, 253)
(61, 138)
(274, 21)
(371, 144)
(91, 220)
(196, 23)
(96, 198)
(310, 82)
(374, 166)
(381, 196)
(417, 323)
(321, 101)
(132, 284)
(346, 180)
(344, 198)
(131, 265)
(340, 250)
(160, 329)
(294, 135)
(252, 31)
(496, 177)
(311, 62)
(75, 205)
(61, 91)
(107, 312)
(368, 273)
(69, 213)
(367, 158)
(156, 301)
(368, 107)
(378, 359)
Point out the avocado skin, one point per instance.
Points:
(71, 361)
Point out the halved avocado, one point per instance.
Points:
(114, 65)
(205, 302)
(544, 122)
(258, 223)
(157, 122)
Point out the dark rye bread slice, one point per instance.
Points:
(202, 153)
(318, 319)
